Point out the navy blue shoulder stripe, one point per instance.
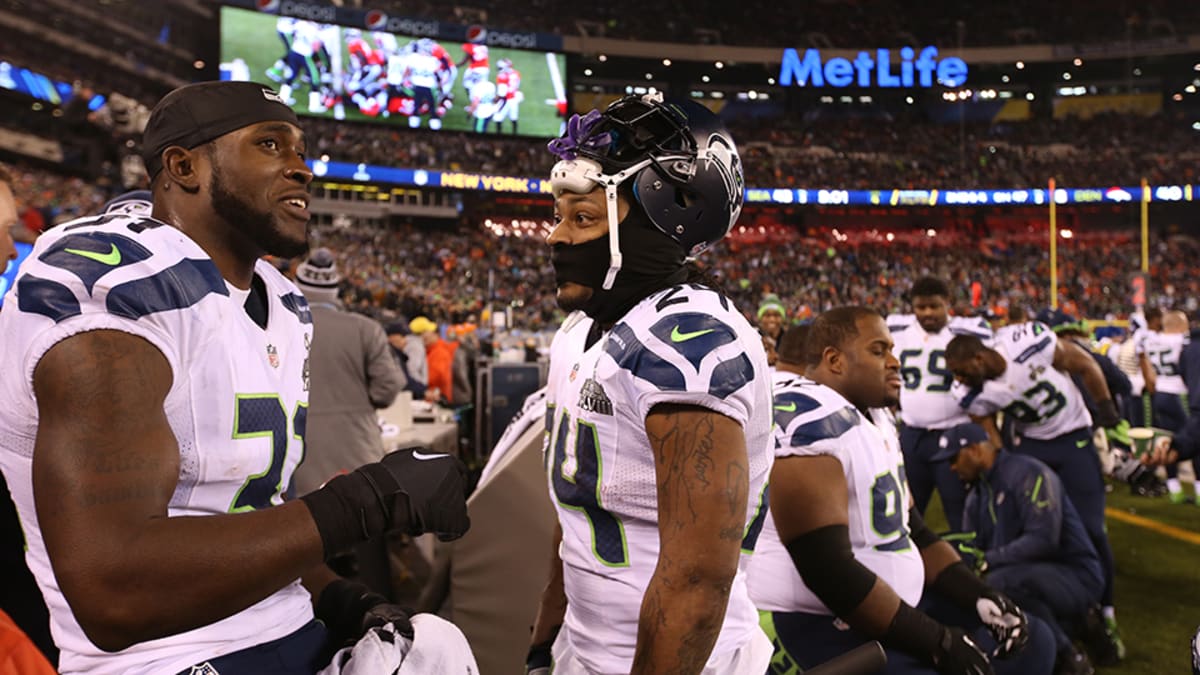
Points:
(1033, 349)
(92, 255)
(48, 298)
(791, 404)
(970, 398)
(898, 328)
(298, 305)
(177, 287)
(630, 354)
(831, 426)
(693, 335)
(730, 376)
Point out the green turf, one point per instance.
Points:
(252, 37)
(1157, 583)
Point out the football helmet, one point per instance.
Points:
(685, 168)
(504, 64)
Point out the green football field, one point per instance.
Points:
(1157, 582)
(252, 37)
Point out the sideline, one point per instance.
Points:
(1161, 528)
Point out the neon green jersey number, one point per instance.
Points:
(263, 416)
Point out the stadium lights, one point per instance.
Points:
(1137, 72)
(931, 233)
(1029, 96)
(1177, 97)
(587, 71)
(1020, 65)
(752, 95)
(705, 78)
(324, 158)
(770, 80)
(1196, 126)
(718, 65)
(1191, 89)
(891, 237)
(718, 94)
(1078, 62)
(1066, 234)
(908, 100)
(1066, 76)
(198, 65)
(1005, 78)
(1196, 67)
(667, 62)
(602, 58)
(649, 76)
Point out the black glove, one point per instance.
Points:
(539, 660)
(957, 654)
(408, 490)
(1107, 416)
(349, 609)
(1006, 622)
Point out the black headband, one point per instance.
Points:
(195, 114)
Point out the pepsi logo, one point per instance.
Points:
(476, 33)
(376, 20)
(270, 6)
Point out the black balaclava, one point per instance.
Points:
(651, 261)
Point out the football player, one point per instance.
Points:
(482, 104)
(843, 557)
(1164, 350)
(1026, 373)
(158, 410)
(421, 77)
(475, 58)
(659, 406)
(365, 79)
(508, 95)
(927, 406)
(302, 58)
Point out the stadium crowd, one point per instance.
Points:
(444, 274)
(846, 153)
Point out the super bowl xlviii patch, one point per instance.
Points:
(593, 399)
(204, 669)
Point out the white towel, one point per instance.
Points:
(437, 648)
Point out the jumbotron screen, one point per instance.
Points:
(338, 72)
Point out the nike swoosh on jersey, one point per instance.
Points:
(676, 336)
(422, 456)
(790, 407)
(111, 258)
(1082, 443)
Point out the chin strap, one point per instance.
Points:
(610, 183)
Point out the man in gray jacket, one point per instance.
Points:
(352, 374)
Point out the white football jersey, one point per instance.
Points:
(685, 345)
(306, 38)
(926, 401)
(422, 70)
(1042, 400)
(237, 405)
(1125, 356)
(812, 419)
(1165, 350)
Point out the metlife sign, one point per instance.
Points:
(913, 70)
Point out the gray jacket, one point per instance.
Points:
(352, 373)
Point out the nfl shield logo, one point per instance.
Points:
(272, 356)
(204, 669)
